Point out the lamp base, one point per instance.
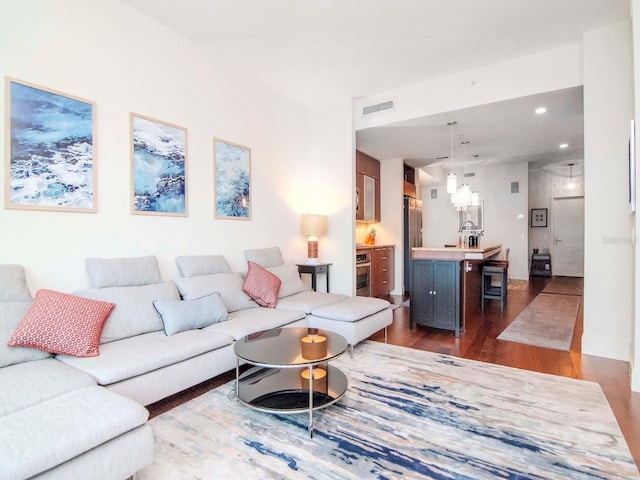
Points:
(312, 250)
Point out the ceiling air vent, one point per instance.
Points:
(377, 108)
(470, 174)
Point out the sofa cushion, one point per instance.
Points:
(244, 322)
(261, 285)
(141, 354)
(181, 315)
(229, 285)
(134, 313)
(289, 278)
(62, 323)
(265, 257)
(11, 313)
(13, 284)
(29, 383)
(352, 309)
(66, 426)
(194, 265)
(309, 300)
(123, 272)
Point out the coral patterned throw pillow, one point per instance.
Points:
(261, 285)
(62, 323)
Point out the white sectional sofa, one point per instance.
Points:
(55, 422)
(160, 338)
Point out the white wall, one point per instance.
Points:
(635, 346)
(544, 186)
(608, 276)
(543, 72)
(505, 213)
(328, 187)
(109, 53)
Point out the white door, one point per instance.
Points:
(568, 237)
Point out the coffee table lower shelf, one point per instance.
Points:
(285, 391)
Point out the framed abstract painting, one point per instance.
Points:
(50, 149)
(158, 167)
(232, 182)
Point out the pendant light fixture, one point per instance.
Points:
(571, 185)
(463, 196)
(452, 181)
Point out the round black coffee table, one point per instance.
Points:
(280, 379)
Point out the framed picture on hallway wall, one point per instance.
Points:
(538, 217)
(50, 155)
(232, 180)
(158, 167)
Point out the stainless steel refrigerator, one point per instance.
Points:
(412, 235)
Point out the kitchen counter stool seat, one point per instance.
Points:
(490, 271)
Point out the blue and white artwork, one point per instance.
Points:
(51, 159)
(159, 167)
(233, 180)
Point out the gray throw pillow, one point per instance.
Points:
(182, 315)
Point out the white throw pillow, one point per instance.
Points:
(289, 278)
(229, 285)
(182, 315)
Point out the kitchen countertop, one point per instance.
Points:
(456, 253)
(362, 246)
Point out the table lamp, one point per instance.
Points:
(313, 225)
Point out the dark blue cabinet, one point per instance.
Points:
(435, 294)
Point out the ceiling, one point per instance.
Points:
(321, 52)
(501, 132)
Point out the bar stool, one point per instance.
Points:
(490, 271)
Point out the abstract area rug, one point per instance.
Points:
(407, 414)
(565, 286)
(548, 321)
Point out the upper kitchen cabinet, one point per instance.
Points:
(367, 188)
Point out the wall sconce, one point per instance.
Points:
(313, 225)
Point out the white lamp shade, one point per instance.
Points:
(314, 224)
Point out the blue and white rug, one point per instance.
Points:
(407, 414)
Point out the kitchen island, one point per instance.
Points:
(446, 284)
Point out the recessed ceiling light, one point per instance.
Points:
(540, 110)
(564, 145)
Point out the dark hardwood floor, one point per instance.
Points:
(478, 342)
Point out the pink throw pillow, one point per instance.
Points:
(62, 323)
(261, 285)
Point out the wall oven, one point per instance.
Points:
(363, 274)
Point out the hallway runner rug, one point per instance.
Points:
(406, 414)
(548, 321)
(565, 286)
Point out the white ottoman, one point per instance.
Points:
(355, 318)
